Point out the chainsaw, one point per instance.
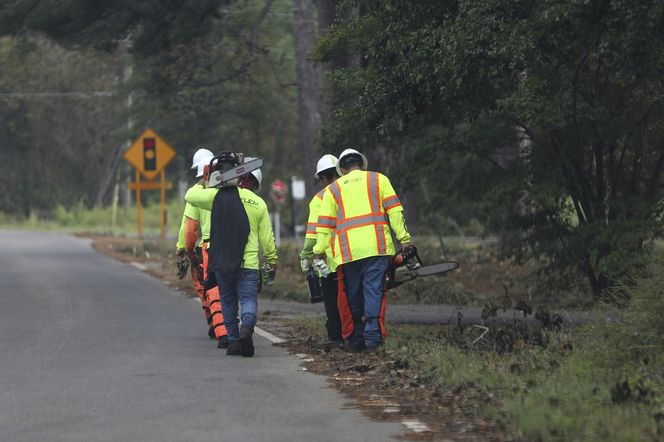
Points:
(407, 265)
(403, 267)
(226, 168)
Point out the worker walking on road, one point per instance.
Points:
(359, 208)
(195, 226)
(326, 172)
(240, 224)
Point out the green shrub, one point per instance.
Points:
(612, 388)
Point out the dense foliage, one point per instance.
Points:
(58, 123)
(217, 74)
(548, 113)
(541, 119)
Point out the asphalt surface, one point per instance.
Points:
(92, 349)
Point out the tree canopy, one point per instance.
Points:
(217, 74)
(556, 106)
(543, 119)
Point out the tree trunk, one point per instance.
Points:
(326, 15)
(308, 87)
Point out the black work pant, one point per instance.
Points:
(330, 289)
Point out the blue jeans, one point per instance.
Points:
(365, 282)
(242, 287)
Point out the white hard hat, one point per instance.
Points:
(258, 174)
(327, 161)
(348, 152)
(201, 159)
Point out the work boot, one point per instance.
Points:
(354, 348)
(333, 342)
(234, 349)
(371, 348)
(335, 338)
(247, 341)
(223, 342)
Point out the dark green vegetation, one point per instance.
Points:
(601, 382)
(200, 73)
(547, 115)
(542, 120)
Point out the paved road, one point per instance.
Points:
(95, 350)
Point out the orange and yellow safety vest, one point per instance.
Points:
(358, 209)
(312, 223)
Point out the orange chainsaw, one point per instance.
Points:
(406, 265)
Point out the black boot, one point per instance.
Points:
(247, 341)
(223, 342)
(354, 348)
(234, 349)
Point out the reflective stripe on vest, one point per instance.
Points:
(376, 209)
(391, 202)
(342, 236)
(376, 218)
(311, 226)
(327, 221)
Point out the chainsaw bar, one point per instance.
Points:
(433, 269)
(403, 274)
(218, 179)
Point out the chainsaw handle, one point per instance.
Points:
(405, 255)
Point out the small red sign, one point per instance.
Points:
(278, 191)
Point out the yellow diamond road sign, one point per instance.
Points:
(149, 154)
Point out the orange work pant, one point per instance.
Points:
(213, 300)
(200, 291)
(350, 322)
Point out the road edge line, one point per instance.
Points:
(267, 335)
(139, 266)
(416, 426)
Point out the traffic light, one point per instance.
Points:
(149, 154)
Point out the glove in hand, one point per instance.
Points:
(305, 265)
(321, 267)
(269, 273)
(194, 259)
(182, 263)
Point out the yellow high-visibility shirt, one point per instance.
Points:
(199, 215)
(314, 207)
(360, 208)
(260, 227)
(310, 235)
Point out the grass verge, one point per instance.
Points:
(481, 279)
(602, 382)
(500, 381)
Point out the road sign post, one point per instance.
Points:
(298, 193)
(139, 204)
(162, 208)
(278, 192)
(149, 154)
